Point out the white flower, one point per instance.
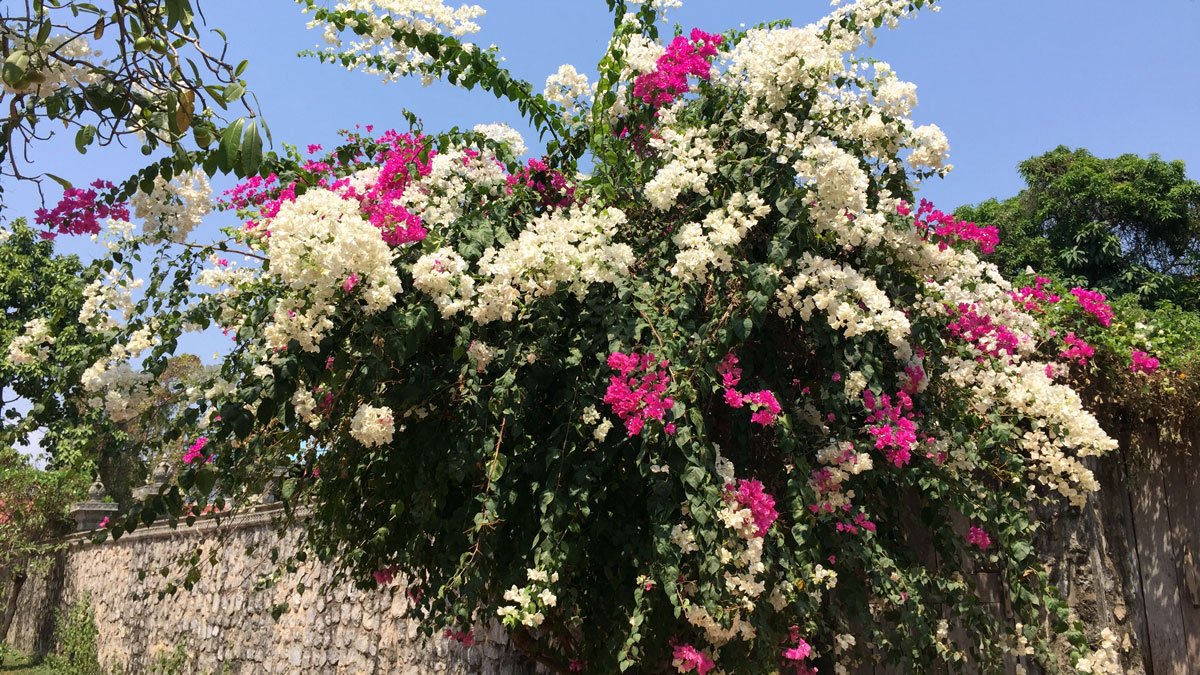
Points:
(480, 354)
(504, 134)
(372, 425)
(173, 209)
(32, 345)
(443, 276)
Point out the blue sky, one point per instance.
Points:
(1005, 80)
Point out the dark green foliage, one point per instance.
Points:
(1128, 224)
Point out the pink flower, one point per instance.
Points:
(734, 398)
(766, 407)
(749, 494)
(949, 229)
(464, 637)
(637, 393)
(1143, 362)
(683, 57)
(1094, 303)
(987, 336)
(1032, 297)
(1077, 350)
(892, 425)
(799, 652)
(729, 371)
(979, 538)
(195, 452)
(80, 212)
(350, 282)
(687, 658)
(103, 523)
(384, 576)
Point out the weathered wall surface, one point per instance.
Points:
(224, 623)
(1128, 561)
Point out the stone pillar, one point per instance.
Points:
(90, 513)
(154, 484)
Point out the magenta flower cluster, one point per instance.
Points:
(196, 452)
(683, 57)
(687, 658)
(947, 228)
(1033, 298)
(1143, 362)
(979, 538)
(891, 424)
(1094, 303)
(749, 494)
(1076, 350)
(401, 156)
(637, 393)
(79, 212)
(980, 330)
(763, 404)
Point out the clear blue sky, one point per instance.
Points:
(1005, 80)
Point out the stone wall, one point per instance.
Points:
(224, 623)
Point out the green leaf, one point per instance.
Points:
(16, 68)
(84, 138)
(230, 147)
(252, 147)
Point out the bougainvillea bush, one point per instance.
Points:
(705, 387)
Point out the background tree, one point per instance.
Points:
(1123, 225)
(149, 71)
(42, 404)
(33, 515)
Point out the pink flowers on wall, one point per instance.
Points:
(763, 404)
(637, 393)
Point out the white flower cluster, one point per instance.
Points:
(33, 344)
(660, 6)
(123, 391)
(70, 66)
(930, 149)
(572, 248)
(1106, 660)
(690, 159)
(372, 425)
(505, 135)
(171, 210)
(481, 354)
(103, 297)
(442, 275)
(305, 405)
(708, 244)
(1058, 422)
(455, 178)
(380, 19)
(570, 89)
(529, 602)
(318, 244)
(852, 303)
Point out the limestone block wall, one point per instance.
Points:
(225, 622)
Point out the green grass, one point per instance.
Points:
(18, 664)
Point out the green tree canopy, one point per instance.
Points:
(1128, 224)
